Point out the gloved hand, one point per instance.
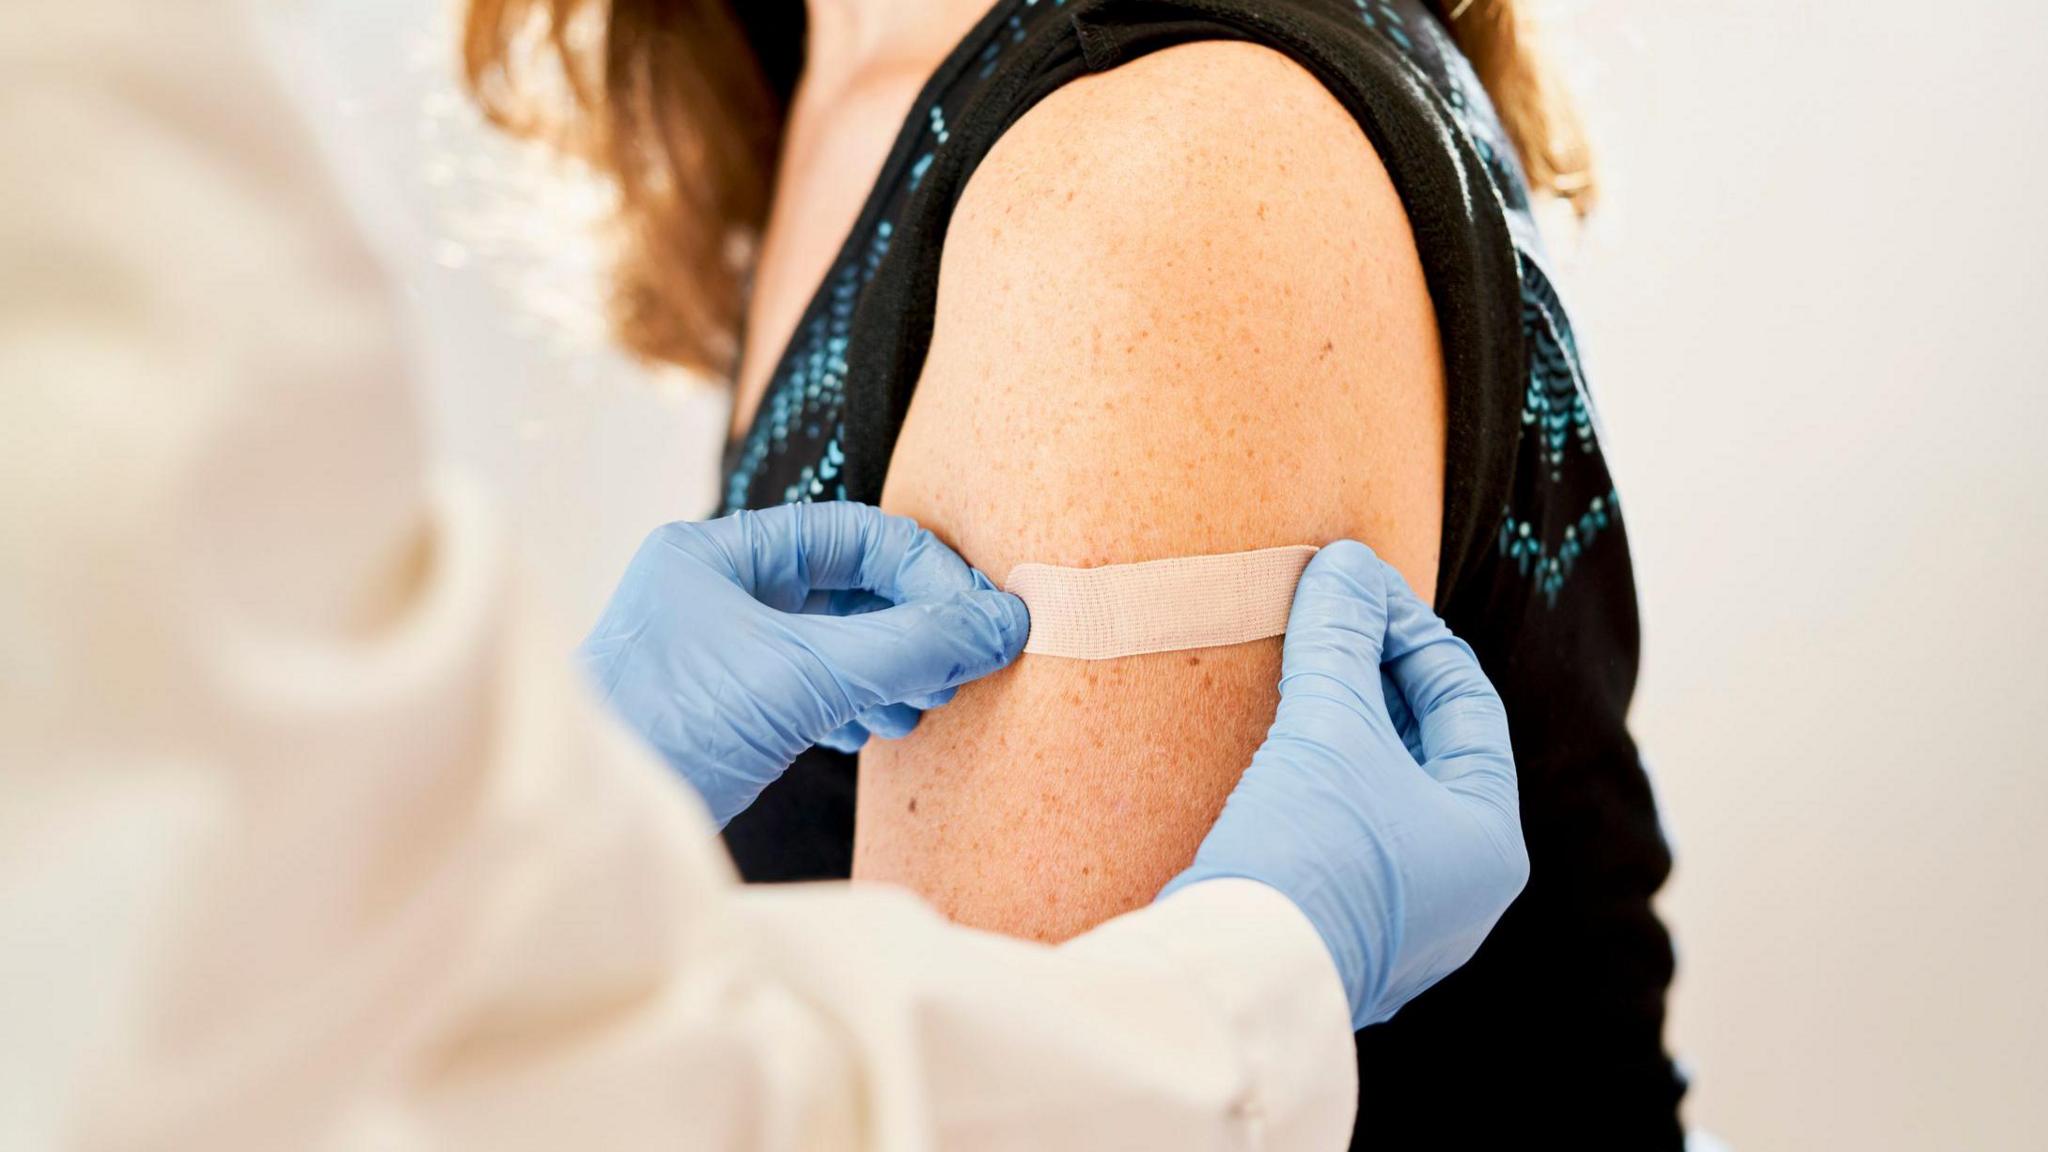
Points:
(733, 645)
(1403, 848)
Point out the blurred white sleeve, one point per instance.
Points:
(309, 838)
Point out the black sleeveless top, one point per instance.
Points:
(1554, 1030)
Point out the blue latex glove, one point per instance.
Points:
(733, 645)
(1403, 848)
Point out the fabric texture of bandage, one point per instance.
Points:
(1159, 605)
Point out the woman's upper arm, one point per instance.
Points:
(1173, 319)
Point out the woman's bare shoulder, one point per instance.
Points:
(1180, 311)
(1176, 298)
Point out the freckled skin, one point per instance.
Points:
(1203, 328)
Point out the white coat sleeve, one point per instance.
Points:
(309, 837)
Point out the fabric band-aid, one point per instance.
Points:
(1158, 605)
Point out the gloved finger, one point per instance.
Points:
(853, 602)
(931, 700)
(891, 721)
(798, 548)
(917, 649)
(1336, 630)
(1462, 723)
(849, 737)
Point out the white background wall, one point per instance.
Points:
(1817, 310)
(1820, 310)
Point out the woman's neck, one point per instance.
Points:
(847, 38)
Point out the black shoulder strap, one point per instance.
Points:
(1460, 229)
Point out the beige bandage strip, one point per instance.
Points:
(1159, 605)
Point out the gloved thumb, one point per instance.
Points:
(1336, 631)
(916, 648)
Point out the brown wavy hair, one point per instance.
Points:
(680, 103)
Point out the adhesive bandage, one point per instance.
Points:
(1159, 605)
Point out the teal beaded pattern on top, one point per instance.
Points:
(802, 414)
(1560, 446)
(807, 402)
